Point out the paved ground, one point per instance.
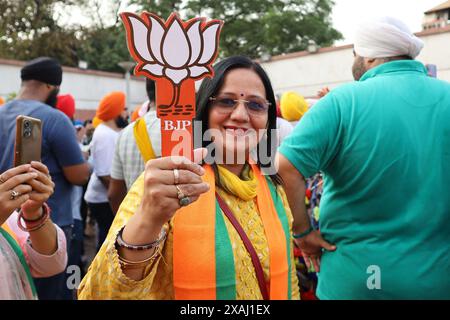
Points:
(90, 243)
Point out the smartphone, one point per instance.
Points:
(28, 140)
(432, 70)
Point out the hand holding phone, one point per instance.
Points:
(28, 140)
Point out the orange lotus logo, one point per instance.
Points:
(175, 54)
(174, 49)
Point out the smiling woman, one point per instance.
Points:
(238, 109)
(216, 231)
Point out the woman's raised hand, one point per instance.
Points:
(170, 183)
(43, 187)
(15, 189)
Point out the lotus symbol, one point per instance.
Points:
(174, 49)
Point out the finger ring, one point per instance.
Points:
(14, 195)
(184, 201)
(176, 175)
(180, 193)
(1, 180)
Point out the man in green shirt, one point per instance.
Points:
(383, 145)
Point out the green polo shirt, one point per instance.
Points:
(383, 145)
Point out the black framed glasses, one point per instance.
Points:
(254, 106)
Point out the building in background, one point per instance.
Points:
(437, 17)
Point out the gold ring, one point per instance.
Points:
(176, 175)
(180, 193)
(14, 195)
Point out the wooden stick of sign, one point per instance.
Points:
(174, 54)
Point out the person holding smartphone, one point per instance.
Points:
(31, 245)
(41, 79)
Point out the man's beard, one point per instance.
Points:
(121, 122)
(52, 98)
(358, 68)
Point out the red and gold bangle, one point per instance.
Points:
(34, 225)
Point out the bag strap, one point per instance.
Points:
(143, 140)
(248, 245)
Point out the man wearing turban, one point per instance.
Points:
(382, 144)
(41, 78)
(129, 162)
(66, 104)
(381, 41)
(113, 116)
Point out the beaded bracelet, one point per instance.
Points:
(303, 234)
(121, 243)
(34, 225)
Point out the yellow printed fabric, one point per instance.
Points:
(105, 279)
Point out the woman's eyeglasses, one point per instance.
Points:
(254, 106)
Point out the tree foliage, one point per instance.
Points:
(31, 28)
(28, 29)
(162, 8)
(258, 27)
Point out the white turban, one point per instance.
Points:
(386, 37)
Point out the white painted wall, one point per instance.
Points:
(308, 73)
(87, 88)
(437, 51)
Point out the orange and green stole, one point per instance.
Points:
(10, 237)
(203, 261)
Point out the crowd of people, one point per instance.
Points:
(361, 183)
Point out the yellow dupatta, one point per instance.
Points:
(143, 140)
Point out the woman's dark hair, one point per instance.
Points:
(150, 89)
(211, 86)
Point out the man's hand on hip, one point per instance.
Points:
(311, 247)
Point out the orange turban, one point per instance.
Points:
(111, 106)
(66, 104)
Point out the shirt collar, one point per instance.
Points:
(398, 66)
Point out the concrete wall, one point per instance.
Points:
(306, 73)
(87, 86)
